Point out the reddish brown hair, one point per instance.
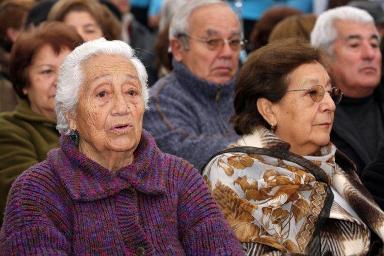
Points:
(55, 34)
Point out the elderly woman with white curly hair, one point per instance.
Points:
(108, 189)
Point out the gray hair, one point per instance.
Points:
(179, 24)
(324, 32)
(71, 75)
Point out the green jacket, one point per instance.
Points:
(25, 139)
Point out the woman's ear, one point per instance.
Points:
(266, 109)
(71, 121)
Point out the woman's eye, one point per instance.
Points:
(133, 92)
(47, 71)
(101, 94)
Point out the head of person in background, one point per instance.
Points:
(264, 26)
(350, 38)
(205, 36)
(107, 164)
(296, 26)
(35, 61)
(91, 19)
(12, 18)
(284, 168)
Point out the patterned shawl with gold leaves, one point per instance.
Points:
(283, 202)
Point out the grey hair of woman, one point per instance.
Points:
(180, 25)
(71, 75)
(324, 32)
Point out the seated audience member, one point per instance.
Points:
(108, 189)
(297, 26)
(29, 132)
(269, 19)
(91, 19)
(349, 37)
(283, 186)
(12, 16)
(190, 108)
(139, 38)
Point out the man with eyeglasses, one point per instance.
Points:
(350, 39)
(190, 109)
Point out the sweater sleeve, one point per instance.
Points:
(202, 226)
(34, 223)
(177, 131)
(17, 153)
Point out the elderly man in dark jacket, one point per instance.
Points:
(350, 38)
(190, 109)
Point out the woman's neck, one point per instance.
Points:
(111, 160)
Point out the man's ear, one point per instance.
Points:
(71, 121)
(267, 110)
(177, 49)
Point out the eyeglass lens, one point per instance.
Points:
(317, 93)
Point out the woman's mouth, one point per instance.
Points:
(121, 128)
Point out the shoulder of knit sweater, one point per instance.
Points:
(38, 192)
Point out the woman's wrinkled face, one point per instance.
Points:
(301, 121)
(110, 109)
(42, 79)
(84, 24)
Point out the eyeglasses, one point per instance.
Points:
(215, 44)
(317, 93)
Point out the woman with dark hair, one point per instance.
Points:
(29, 132)
(91, 19)
(284, 187)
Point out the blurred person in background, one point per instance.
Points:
(29, 132)
(108, 189)
(352, 43)
(12, 17)
(269, 19)
(296, 26)
(91, 19)
(139, 37)
(190, 108)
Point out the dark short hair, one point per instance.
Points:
(265, 75)
(55, 34)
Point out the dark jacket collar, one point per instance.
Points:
(86, 180)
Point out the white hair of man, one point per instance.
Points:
(71, 75)
(180, 21)
(324, 32)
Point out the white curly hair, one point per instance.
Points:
(324, 32)
(71, 75)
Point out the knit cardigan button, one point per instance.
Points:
(140, 251)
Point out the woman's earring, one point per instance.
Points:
(74, 135)
(273, 127)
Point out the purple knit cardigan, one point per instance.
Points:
(70, 205)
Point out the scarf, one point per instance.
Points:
(281, 200)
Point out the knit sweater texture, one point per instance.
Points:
(25, 139)
(70, 205)
(189, 117)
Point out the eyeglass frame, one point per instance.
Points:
(333, 89)
(242, 42)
